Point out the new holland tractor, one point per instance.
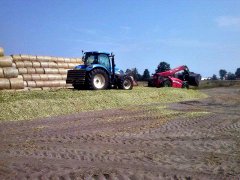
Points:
(98, 72)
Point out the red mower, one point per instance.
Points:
(179, 77)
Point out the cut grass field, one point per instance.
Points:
(38, 104)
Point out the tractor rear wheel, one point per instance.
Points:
(167, 83)
(126, 83)
(98, 79)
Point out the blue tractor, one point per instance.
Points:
(98, 72)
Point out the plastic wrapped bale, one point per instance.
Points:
(6, 61)
(22, 71)
(31, 84)
(62, 65)
(32, 58)
(16, 83)
(62, 71)
(53, 77)
(1, 51)
(4, 83)
(28, 64)
(60, 59)
(10, 72)
(31, 70)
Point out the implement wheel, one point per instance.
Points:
(126, 83)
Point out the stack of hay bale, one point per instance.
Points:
(44, 71)
(9, 78)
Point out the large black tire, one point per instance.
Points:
(167, 83)
(97, 79)
(125, 83)
(185, 85)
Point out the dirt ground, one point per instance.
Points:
(135, 143)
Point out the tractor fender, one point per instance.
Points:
(97, 66)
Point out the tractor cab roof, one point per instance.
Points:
(97, 52)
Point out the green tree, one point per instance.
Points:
(237, 73)
(222, 73)
(231, 76)
(214, 77)
(146, 75)
(163, 66)
(134, 73)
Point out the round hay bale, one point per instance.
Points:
(19, 64)
(36, 77)
(31, 84)
(14, 64)
(27, 77)
(79, 60)
(40, 58)
(36, 64)
(52, 77)
(44, 64)
(72, 65)
(22, 71)
(10, 72)
(20, 77)
(62, 65)
(4, 83)
(62, 71)
(47, 58)
(51, 71)
(54, 59)
(1, 73)
(24, 57)
(40, 71)
(25, 83)
(16, 57)
(62, 83)
(52, 65)
(32, 58)
(54, 83)
(67, 60)
(1, 51)
(6, 61)
(31, 70)
(60, 59)
(16, 83)
(73, 60)
(64, 76)
(40, 84)
(44, 77)
(27, 64)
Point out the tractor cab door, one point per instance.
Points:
(104, 60)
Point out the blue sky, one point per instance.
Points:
(203, 34)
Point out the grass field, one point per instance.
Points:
(36, 104)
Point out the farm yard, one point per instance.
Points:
(146, 133)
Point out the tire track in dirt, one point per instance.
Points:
(127, 144)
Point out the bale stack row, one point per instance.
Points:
(9, 78)
(44, 71)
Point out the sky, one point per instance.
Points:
(202, 34)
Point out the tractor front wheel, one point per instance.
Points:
(98, 79)
(185, 85)
(126, 83)
(167, 83)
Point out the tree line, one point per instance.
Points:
(224, 75)
(163, 66)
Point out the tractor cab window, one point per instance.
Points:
(90, 60)
(103, 59)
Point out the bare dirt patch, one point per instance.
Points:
(191, 140)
